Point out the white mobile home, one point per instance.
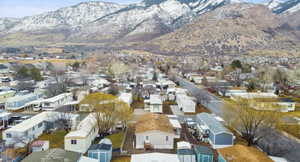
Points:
(186, 103)
(56, 101)
(19, 102)
(154, 104)
(154, 131)
(30, 129)
(81, 139)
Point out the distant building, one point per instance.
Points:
(154, 104)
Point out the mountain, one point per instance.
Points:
(231, 29)
(284, 6)
(103, 21)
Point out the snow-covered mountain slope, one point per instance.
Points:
(284, 6)
(111, 19)
(69, 16)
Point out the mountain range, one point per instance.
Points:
(167, 26)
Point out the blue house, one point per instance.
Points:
(214, 131)
(101, 151)
(203, 154)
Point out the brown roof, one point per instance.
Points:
(241, 153)
(151, 121)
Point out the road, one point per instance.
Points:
(210, 101)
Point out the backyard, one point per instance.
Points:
(56, 138)
(116, 139)
(121, 159)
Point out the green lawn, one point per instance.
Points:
(116, 139)
(56, 139)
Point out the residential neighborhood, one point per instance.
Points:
(130, 110)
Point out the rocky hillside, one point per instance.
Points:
(231, 29)
(102, 21)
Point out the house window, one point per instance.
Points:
(8, 135)
(73, 142)
(167, 138)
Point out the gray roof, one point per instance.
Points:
(214, 126)
(52, 155)
(185, 152)
(203, 150)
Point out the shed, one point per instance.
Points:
(203, 154)
(101, 151)
(186, 155)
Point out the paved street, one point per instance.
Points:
(212, 102)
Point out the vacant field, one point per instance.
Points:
(56, 138)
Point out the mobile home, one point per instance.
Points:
(81, 138)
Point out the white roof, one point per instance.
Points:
(87, 159)
(84, 127)
(56, 98)
(155, 99)
(33, 121)
(126, 97)
(6, 92)
(183, 145)
(4, 114)
(255, 95)
(154, 157)
(278, 159)
(175, 123)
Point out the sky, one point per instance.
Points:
(21, 8)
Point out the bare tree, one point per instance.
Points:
(108, 111)
(249, 121)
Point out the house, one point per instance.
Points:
(154, 157)
(154, 104)
(30, 129)
(80, 139)
(186, 103)
(185, 152)
(22, 101)
(53, 155)
(56, 101)
(102, 151)
(175, 124)
(230, 91)
(4, 118)
(203, 154)
(212, 130)
(252, 95)
(154, 131)
(39, 146)
(275, 104)
(4, 95)
(4, 69)
(241, 153)
(126, 97)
